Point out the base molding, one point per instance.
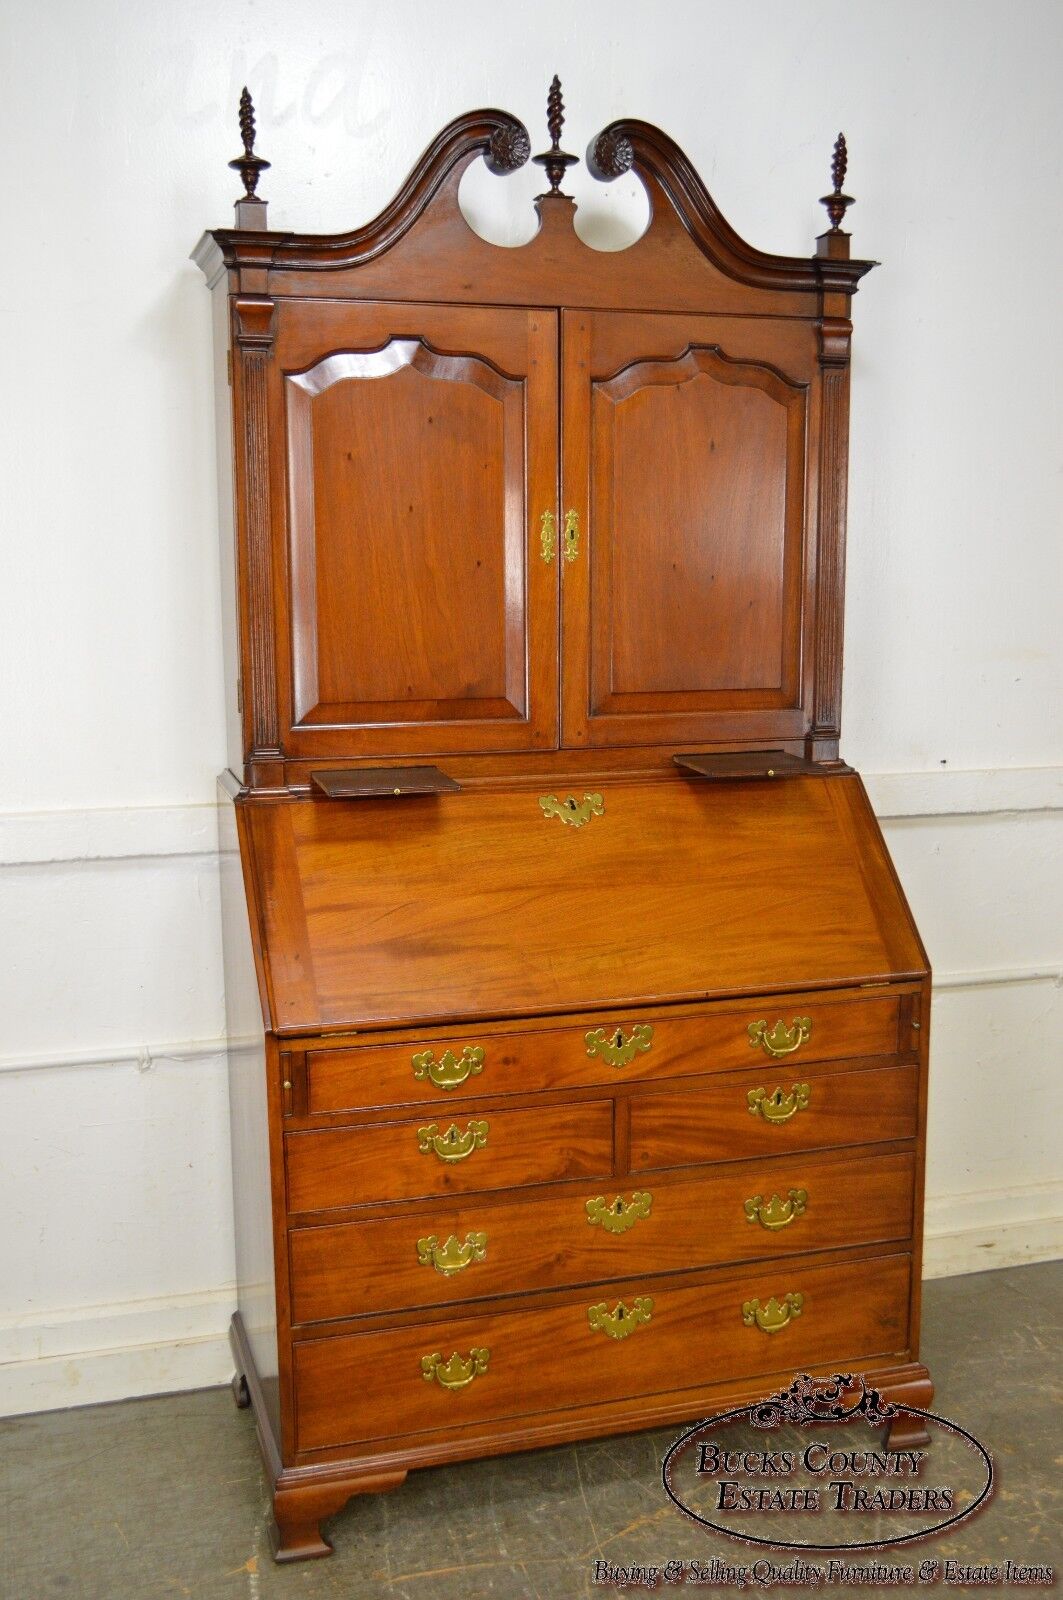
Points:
(306, 1496)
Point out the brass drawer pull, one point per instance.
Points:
(780, 1040)
(621, 1215)
(571, 535)
(452, 1145)
(614, 1049)
(455, 1373)
(453, 1256)
(449, 1071)
(774, 1316)
(774, 1214)
(621, 1321)
(779, 1107)
(577, 813)
(548, 536)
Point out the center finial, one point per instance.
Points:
(555, 160)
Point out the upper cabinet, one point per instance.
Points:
(495, 503)
(416, 445)
(685, 460)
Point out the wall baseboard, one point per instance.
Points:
(992, 1228)
(94, 1354)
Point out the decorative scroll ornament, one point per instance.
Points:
(575, 812)
(455, 1373)
(781, 1040)
(778, 1107)
(614, 1049)
(452, 1145)
(621, 1215)
(555, 160)
(248, 165)
(622, 1320)
(837, 203)
(774, 1316)
(453, 1256)
(833, 1399)
(449, 1072)
(774, 1214)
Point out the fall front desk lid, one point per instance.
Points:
(518, 902)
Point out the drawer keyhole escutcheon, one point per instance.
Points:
(577, 813)
(777, 1106)
(457, 1373)
(622, 1320)
(780, 1040)
(775, 1315)
(453, 1256)
(452, 1145)
(614, 1049)
(621, 1215)
(774, 1214)
(450, 1070)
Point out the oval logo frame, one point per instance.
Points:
(824, 1401)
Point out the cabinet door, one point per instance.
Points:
(684, 462)
(419, 453)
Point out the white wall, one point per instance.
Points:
(116, 122)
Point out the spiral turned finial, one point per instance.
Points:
(248, 165)
(555, 160)
(837, 203)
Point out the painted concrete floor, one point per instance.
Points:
(151, 1499)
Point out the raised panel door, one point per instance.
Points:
(419, 453)
(684, 469)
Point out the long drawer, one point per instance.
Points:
(590, 1349)
(404, 1160)
(615, 1049)
(461, 1250)
(765, 1112)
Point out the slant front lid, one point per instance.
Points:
(489, 904)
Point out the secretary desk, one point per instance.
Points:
(578, 1022)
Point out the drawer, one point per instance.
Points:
(762, 1112)
(591, 1348)
(403, 1160)
(614, 1049)
(458, 1251)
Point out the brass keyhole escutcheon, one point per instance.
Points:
(571, 535)
(614, 1049)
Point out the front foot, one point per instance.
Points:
(299, 1509)
(241, 1393)
(906, 1433)
(293, 1540)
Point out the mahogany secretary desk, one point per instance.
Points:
(578, 1021)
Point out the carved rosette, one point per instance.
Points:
(610, 155)
(508, 147)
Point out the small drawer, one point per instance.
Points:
(614, 1049)
(448, 1155)
(480, 1247)
(594, 1348)
(764, 1112)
